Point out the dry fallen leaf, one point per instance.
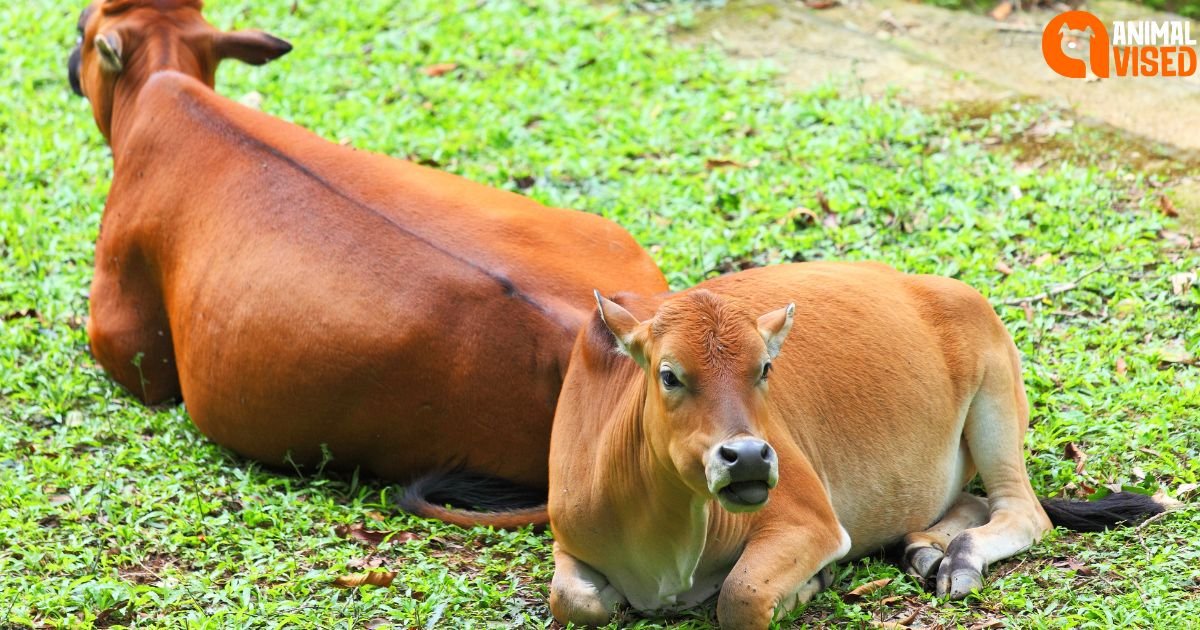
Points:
(372, 538)
(1186, 489)
(1174, 352)
(820, 4)
(1074, 565)
(1167, 207)
(712, 163)
(1072, 451)
(438, 69)
(1003, 268)
(374, 578)
(994, 623)
(1122, 366)
(1001, 11)
(1181, 282)
(824, 201)
(866, 589)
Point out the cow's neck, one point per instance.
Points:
(663, 524)
(159, 55)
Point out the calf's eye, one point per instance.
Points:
(766, 370)
(669, 380)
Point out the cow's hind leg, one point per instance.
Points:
(995, 431)
(923, 551)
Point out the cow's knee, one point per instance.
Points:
(581, 595)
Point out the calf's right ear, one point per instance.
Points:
(252, 47)
(628, 331)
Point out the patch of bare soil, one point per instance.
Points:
(933, 56)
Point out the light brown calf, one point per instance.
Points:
(695, 452)
(297, 293)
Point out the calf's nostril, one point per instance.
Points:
(729, 455)
(766, 451)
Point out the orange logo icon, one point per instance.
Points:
(1074, 43)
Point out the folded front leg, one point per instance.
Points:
(579, 594)
(778, 572)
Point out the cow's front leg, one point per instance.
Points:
(580, 594)
(779, 571)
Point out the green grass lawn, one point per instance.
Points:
(111, 513)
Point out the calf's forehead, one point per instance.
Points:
(708, 335)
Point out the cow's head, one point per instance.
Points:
(128, 40)
(706, 364)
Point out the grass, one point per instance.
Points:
(114, 514)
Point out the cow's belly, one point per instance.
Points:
(880, 511)
(294, 376)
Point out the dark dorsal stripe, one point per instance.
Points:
(220, 123)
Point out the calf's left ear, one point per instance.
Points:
(252, 47)
(774, 328)
(624, 326)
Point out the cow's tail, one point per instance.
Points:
(1116, 509)
(468, 499)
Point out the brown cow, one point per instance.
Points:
(680, 472)
(299, 294)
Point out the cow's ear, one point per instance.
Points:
(108, 45)
(774, 328)
(626, 329)
(252, 47)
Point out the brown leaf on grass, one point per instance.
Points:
(1122, 367)
(821, 4)
(824, 202)
(800, 216)
(373, 578)
(438, 69)
(1043, 259)
(1167, 206)
(1181, 282)
(912, 616)
(1074, 565)
(1186, 489)
(1001, 11)
(714, 163)
(1003, 268)
(1073, 452)
(992, 623)
(370, 562)
(1174, 353)
(25, 313)
(372, 538)
(866, 589)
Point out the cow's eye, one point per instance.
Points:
(669, 380)
(766, 370)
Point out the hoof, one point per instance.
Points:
(922, 562)
(959, 583)
(961, 571)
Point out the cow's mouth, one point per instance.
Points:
(744, 494)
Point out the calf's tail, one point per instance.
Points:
(1118, 508)
(468, 499)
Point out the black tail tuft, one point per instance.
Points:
(1096, 516)
(474, 499)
